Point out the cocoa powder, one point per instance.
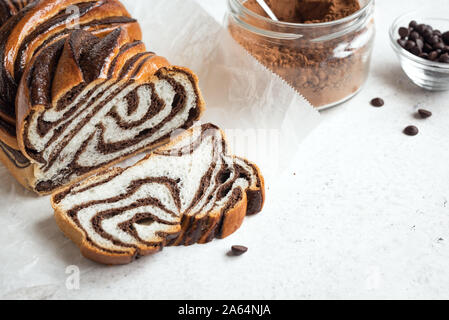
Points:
(325, 72)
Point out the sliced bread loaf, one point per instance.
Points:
(85, 103)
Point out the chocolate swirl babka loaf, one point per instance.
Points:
(189, 191)
(88, 102)
(79, 93)
(28, 29)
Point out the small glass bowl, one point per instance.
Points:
(430, 75)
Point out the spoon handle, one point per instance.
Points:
(267, 9)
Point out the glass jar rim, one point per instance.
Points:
(349, 18)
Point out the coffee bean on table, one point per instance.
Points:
(403, 32)
(377, 102)
(239, 250)
(424, 113)
(411, 131)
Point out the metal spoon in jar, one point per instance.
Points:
(267, 9)
(280, 35)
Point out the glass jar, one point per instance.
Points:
(328, 62)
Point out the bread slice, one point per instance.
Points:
(87, 102)
(189, 191)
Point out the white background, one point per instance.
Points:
(364, 213)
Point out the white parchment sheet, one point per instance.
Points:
(264, 119)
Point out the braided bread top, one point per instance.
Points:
(87, 102)
(40, 25)
(62, 70)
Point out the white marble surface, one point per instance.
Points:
(363, 214)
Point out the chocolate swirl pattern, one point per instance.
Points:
(29, 29)
(14, 156)
(189, 191)
(9, 8)
(76, 119)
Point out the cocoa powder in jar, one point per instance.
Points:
(325, 72)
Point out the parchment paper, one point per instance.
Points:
(264, 118)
